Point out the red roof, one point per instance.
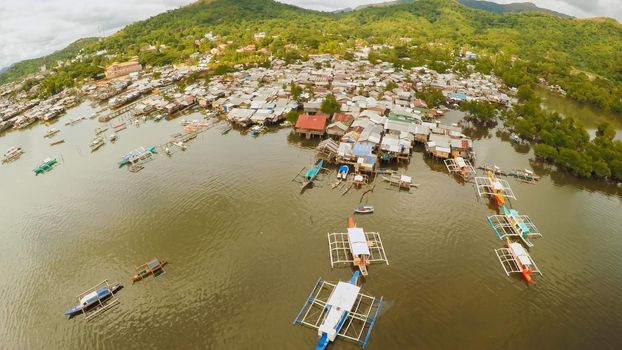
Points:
(312, 122)
(342, 117)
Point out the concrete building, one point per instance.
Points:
(116, 69)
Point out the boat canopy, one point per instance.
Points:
(358, 241)
(520, 253)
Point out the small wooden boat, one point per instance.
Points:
(112, 137)
(46, 165)
(119, 127)
(97, 143)
(524, 175)
(57, 142)
(51, 133)
(257, 129)
(364, 209)
(101, 130)
(159, 117)
(312, 174)
(153, 267)
(92, 299)
(343, 171)
(75, 121)
(226, 130)
(403, 182)
(12, 154)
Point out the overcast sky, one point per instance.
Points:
(33, 28)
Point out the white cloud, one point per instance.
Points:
(33, 28)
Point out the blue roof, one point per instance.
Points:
(360, 150)
(458, 96)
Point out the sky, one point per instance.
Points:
(34, 28)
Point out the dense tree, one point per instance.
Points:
(330, 105)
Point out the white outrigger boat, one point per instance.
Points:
(514, 258)
(356, 247)
(511, 224)
(339, 309)
(495, 188)
(460, 166)
(12, 154)
(97, 143)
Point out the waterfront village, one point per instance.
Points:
(377, 119)
(380, 117)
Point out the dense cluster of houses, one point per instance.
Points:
(379, 118)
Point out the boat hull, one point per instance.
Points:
(78, 309)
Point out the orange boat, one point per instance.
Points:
(153, 267)
(497, 188)
(515, 259)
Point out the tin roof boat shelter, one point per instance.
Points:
(339, 310)
(510, 224)
(488, 187)
(344, 247)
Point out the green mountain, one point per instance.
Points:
(513, 7)
(583, 56)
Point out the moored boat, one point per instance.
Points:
(343, 171)
(12, 154)
(51, 133)
(138, 155)
(119, 127)
(525, 175)
(46, 165)
(310, 176)
(96, 144)
(92, 299)
(364, 209)
(257, 129)
(152, 267)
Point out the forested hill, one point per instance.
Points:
(581, 55)
(512, 7)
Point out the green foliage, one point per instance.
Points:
(292, 116)
(545, 152)
(480, 112)
(330, 105)
(296, 91)
(432, 96)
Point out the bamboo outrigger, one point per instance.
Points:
(460, 166)
(356, 247)
(153, 267)
(495, 188)
(515, 259)
(510, 224)
(339, 309)
(402, 182)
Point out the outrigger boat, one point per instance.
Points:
(47, 165)
(51, 133)
(356, 247)
(402, 182)
(112, 137)
(153, 267)
(343, 171)
(524, 175)
(75, 121)
(515, 259)
(159, 117)
(97, 143)
(119, 127)
(312, 174)
(93, 299)
(340, 310)
(364, 209)
(460, 166)
(511, 224)
(12, 154)
(57, 142)
(137, 155)
(494, 187)
(101, 130)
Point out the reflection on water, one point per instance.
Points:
(245, 248)
(587, 115)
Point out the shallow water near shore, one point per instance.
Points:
(246, 248)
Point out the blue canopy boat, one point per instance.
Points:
(312, 174)
(94, 298)
(136, 154)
